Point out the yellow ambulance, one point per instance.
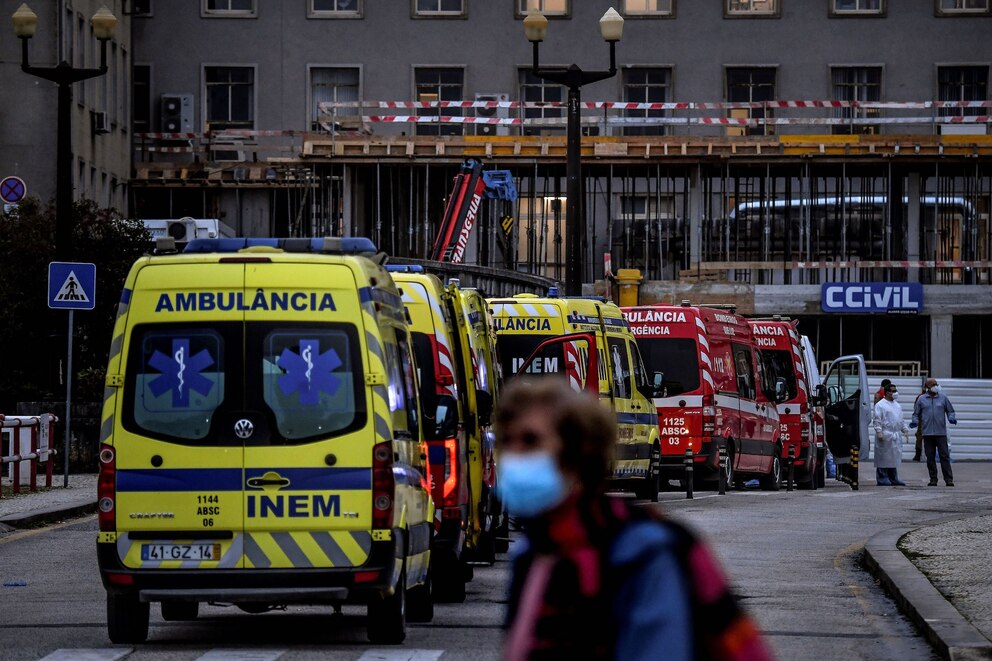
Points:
(454, 346)
(525, 321)
(260, 442)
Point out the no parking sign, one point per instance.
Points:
(13, 190)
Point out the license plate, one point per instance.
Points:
(180, 552)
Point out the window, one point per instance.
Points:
(141, 98)
(856, 84)
(952, 7)
(547, 7)
(744, 371)
(536, 90)
(676, 359)
(752, 8)
(436, 8)
(229, 7)
(335, 8)
(750, 85)
(141, 7)
(965, 83)
(620, 363)
(635, 8)
(230, 96)
(646, 85)
(439, 85)
(857, 7)
(334, 85)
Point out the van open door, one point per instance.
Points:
(581, 359)
(847, 413)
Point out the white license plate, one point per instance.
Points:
(180, 552)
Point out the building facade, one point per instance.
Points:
(748, 151)
(100, 114)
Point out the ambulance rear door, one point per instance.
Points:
(179, 462)
(848, 413)
(310, 421)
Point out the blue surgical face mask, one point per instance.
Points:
(530, 483)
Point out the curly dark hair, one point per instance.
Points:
(587, 428)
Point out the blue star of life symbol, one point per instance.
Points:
(309, 372)
(180, 373)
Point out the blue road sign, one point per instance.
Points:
(71, 286)
(12, 190)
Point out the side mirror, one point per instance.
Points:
(781, 390)
(484, 404)
(446, 418)
(820, 398)
(657, 384)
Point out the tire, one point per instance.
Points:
(449, 582)
(127, 619)
(420, 601)
(178, 611)
(773, 481)
(820, 476)
(387, 615)
(649, 487)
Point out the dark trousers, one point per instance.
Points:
(931, 446)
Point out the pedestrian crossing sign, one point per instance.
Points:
(71, 286)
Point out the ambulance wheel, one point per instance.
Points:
(649, 488)
(173, 611)
(449, 582)
(127, 619)
(820, 475)
(773, 481)
(420, 602)
(387, 615)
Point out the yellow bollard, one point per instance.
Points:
(629, 281)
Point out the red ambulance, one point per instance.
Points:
(785, 355)
(714, 391)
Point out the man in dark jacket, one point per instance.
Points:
(931, 413)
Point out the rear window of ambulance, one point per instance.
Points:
(188, 383)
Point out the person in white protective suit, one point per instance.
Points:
(889, 432)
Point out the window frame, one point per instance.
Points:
(520, 9)
(730, 12)
(205, 106)
(418, 14)
(206, 12)
(442, 129)
(540, 113)
(844, 113)
(336, 14)
(646, 129)
(834, 12)
(962, 112)
(764, 129)
(945, 13)
(648, 14)
(311, 120)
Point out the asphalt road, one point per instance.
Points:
(793, 557)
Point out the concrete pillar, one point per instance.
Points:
(912, 224)
(941, 332)
(695, 217)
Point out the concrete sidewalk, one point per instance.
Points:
(954, 552)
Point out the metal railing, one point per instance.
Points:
(36, 432)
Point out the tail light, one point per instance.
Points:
(449, 494)
(383, 485)
(106, 489)
(709, 415)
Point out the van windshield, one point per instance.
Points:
(779, 364)
(514, 350)
(677, 358)
(195, 383)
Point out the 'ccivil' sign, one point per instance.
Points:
(865, 297)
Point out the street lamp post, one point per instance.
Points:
(572, 77)
(64, 75)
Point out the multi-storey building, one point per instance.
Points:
(101, 134)
(793, 138)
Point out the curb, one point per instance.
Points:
(952, 636)
(42, 516)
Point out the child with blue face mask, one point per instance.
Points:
(595, 577)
